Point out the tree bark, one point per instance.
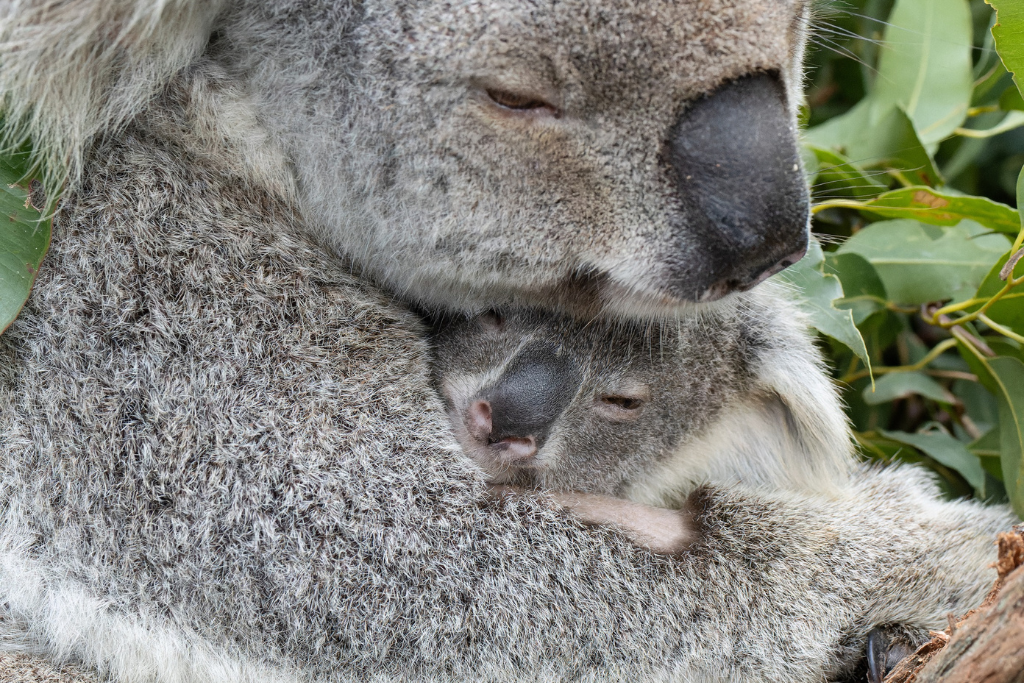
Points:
(987, 645)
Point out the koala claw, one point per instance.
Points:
(887, 646)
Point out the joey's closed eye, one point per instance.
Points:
(623, 402)
(623, 405)
(521, 102)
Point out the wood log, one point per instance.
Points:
(987, 645)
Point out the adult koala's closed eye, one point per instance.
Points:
(609, 155)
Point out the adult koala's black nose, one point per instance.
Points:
(745, 203)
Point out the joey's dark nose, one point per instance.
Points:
(515, 415)
(743, 197)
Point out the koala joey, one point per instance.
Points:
(588, 412)
(612, 417)
(592, 413)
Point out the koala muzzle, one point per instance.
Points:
(744, 199)
(514, 416)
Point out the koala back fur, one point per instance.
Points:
(218, 474)
(223, 460)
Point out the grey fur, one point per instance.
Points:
(223, 459)
(695, 375)
(635, 417)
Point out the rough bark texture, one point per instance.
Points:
(987, 644)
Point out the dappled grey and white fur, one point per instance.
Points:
(620, 422)
(645, 411)
(222, 456)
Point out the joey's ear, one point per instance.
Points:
(492, 321)
(75, 70)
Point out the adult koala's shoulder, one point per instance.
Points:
(222, 457)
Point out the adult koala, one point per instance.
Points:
(222, 457)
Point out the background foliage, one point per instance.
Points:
(914, 147)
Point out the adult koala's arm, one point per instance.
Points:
(223, 461)
(222, 457)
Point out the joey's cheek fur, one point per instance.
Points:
(458, 203)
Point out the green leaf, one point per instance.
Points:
(946, 450)
(920, 263)
(1004, 377)
(890, 142)
(1009, 34)
(1009, 310)
(1011, 100)
(925, 66)
(1009, 373)
(990, 88)
(816, 291)
(939, 208)
(903, 384)
(1020, 196)
(988, 446)
(839, 132)
(863, 291)
(24, 238)
(838, 177)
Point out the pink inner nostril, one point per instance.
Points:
(517, 448)
(478, 420)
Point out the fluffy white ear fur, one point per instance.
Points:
(75, 69)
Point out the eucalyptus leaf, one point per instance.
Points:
(837, 176)
(1009, 310)
(1009, 34)
(890, 142)
(938, 207)
(895, 143)
(1009, 373)
(904, 384)
(837, 134)
(1011, 100)
(1012, 121)
(1020, 196)
(863, 291)
(23, 240)
(925, 66)
(1004, 377)
(993, 86)
(988, 446)
(921, 263)
(946, 450)
(815, 291)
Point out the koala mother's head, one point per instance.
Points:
(582, 154)
(629, 156)
(614, 155)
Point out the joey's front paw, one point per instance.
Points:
(666, 532)
(887, 645)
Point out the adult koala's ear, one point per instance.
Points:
(586, 155)
(77, 69)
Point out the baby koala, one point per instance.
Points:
(613, 419)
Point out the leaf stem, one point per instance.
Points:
(939, 316)
(1005, 331)
(936, 351)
